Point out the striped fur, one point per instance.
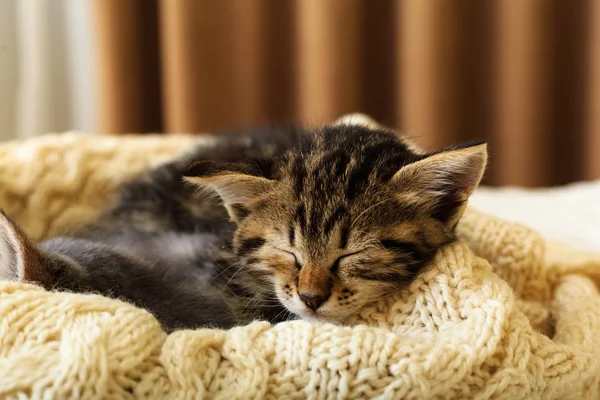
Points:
(323, 221)
(344, 214)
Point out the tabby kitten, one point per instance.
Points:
(272, 224)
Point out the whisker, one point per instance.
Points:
(237, 263)
(261, 289)
(367, 209)
(286, 311)
(235, 273)
(369, 235)
(374, 298)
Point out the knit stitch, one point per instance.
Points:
(494, 316)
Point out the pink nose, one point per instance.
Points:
(313, 301)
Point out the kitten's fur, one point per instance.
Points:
(316, 223)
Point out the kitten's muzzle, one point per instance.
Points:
(313, 301)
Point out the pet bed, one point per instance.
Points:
(500, 314)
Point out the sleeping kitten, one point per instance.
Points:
(270, 224)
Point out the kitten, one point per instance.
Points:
(272, 224)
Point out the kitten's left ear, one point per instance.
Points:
(236, 184)
(20, 260)
(443, 182)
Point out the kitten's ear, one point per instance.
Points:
(20, 260)
(236, 184)
(443, 182)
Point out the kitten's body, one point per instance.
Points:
(322, 222)
(165, 247)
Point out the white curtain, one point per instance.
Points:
(46, 67)
(8, 69)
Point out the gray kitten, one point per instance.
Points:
(274, 223)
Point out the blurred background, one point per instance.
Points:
(523, 74)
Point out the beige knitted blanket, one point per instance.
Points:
(498, 315)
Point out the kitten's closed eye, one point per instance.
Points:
(400, 247)
(336, 265)
(297, 264)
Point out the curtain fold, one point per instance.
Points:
(524, 83)
(523, 75)
(129, 79)
(591, 155)
(329, 52)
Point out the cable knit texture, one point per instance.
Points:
(493, 316)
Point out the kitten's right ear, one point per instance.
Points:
(442, 183)
(20, 260)
(237, 184)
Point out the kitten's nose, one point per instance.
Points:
(313, 301)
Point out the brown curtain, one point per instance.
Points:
(525, 75)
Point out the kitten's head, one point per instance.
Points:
(344, 218)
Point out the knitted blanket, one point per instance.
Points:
(499, 314)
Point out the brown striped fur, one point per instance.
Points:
(323, 221)
(344, 215)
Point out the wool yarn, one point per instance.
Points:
(493, 316)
